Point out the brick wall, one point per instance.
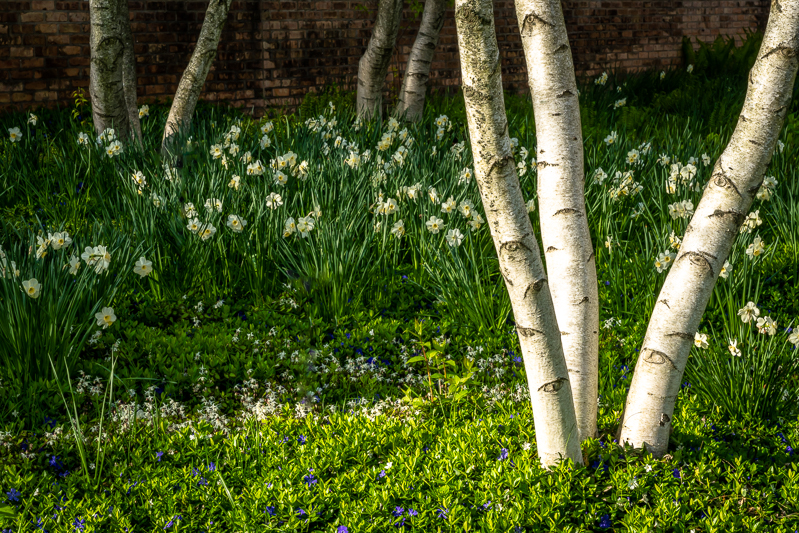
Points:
(273, 52)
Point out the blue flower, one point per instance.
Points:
(158, 456)
(676, 473)
(342, 529)
(411, 512)
(13, 495)
(301, 439)
(301, 512)
(270, 509)
(382, 474)
(486, 505)
(605, 522)
(310, 480)
(211, 467)
(79, 525)
(397, 512)
(503, 454)
(442, 513)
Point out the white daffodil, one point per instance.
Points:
(475, 222)
(612, 138)
(193, 225)
(105, 317)
(305, 225)
(454, 237)
(236, 223)
(793, 338)
(32, 287)
(33, 119)
(217, 151)
(274, 200)
(289, 227)
(620, 103)
(748, 312)
(139, 179)
(255, 169)
(435, 224)
(60, 240)
(700, 340)
(756, 249)
(235, 182)
(213, 204)
(767, 325)
(602, 80)
(280, 178)
(143, 267)
(74, 265)
(733, 348)
(751, 222)
(725, 270)
(14, 135)
(530, 205)
(466, 208)
(189, 210)
(433, 194)
(449, 206)
(144, 111)
(207, 231)
(83, 139)
(398, 229)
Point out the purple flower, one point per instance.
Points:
(342, 529)
(411, 512)
(211, 467)
(486, 505)
(158, 456)
(605, 522)
(676, 473)
(301, 512)
(79, 525)
(270, 509)
(789, 450)
(301, 439)
(382, 474)
(13, 495)
(310, 480)
(203, 482)
(397, 512)
(503, 454)
(442, 513)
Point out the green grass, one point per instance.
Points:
(235, 343)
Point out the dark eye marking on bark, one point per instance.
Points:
(565, 93)
(528, 332)
(697, 258)
(584, 300)
(737, 216)
(720, 180)
(590, 257)
(552, 249)
(785, 48)
(665, 302)
(499, 162)
(568, 211)
(552, 386)
(657, 358)
(535, 287)
(562, 48)
(513, 246)
(682, 335)
(564, 333)
(534, 18)
(544, 164)
(664, 419)
(755, 142)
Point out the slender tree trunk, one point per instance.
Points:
(736, 178)
(561, 199)
(193, 79)
(373, 66)
(519, 258)
(106, 86)
(129, 72)
(417, 74)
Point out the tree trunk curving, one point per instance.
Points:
(373, 65)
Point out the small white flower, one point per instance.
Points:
(83, 139)
(14, 135)
(216, 151)
(143, 267)
(449, 206)
(398, 229)
(213, 204)
(435, 224)
(207, 231)
(610, 139)
(725, 270)
(105, 317)
(766, 324)
(32, 287)
(267, 127)
(748, 312)
(756, 249)
(289, 227)
(235, 182)
(144, 111)
(690, 69)
(60, 240)
(74, 265)
(475, 222)
(602, 80)
(454, 237)
(700, 340)
(530, 205)
(255, 169)
(33, 119)
(305, 225)
(733, 347)
(274, 200)
(620, 103)
(280, 178)
(236, 223)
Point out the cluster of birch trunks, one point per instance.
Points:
(557, 318)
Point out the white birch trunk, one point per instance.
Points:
(417, 73)
(519, 258)
(107, 42)
(129, 72)
(193, 78)
(373, 65)
(736, 178)
(561, 199)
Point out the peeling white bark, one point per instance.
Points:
(561, 199)
(373, 65)
(417, 73)
(193, 78)
(107, 43)
(736, 178)
(519, 258)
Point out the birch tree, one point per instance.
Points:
(109, 38)
(736, 178)
(561, 199)
(193, 78)
(373, 65)
(517, 248)
(129, 72)
(417, 73)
